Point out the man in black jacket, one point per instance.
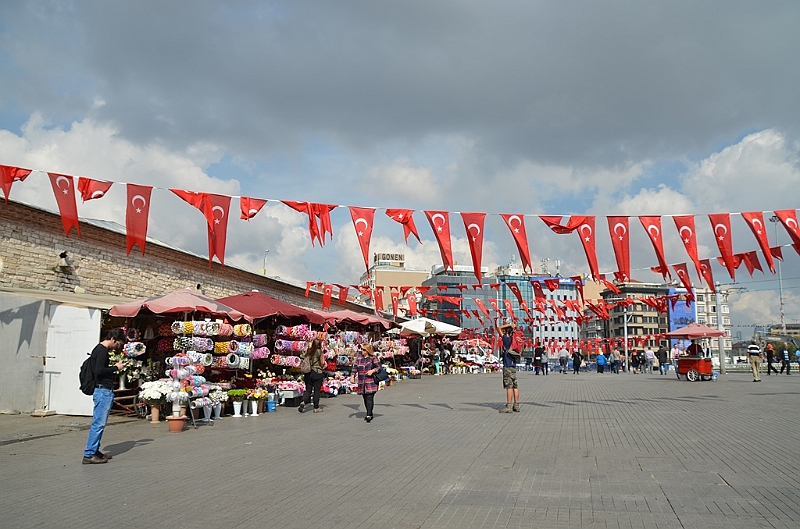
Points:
(663, 365)
(103, 395)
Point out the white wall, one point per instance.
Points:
(23, 328)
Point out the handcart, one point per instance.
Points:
(694, 368)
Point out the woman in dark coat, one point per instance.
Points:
(364, 367)
(577, 358)
(313, 379)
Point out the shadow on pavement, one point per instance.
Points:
(121, 448)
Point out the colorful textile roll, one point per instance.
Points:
(259, 352)
(225, 330)
(243, 329)
(182, 343)
(221, 348)
(260, 340)
(165, 329)
(201, 403)
(244, 362)
(165, 344)
(176, 361)
(291, 346)
(246, 348)
(233, 346)
(177, 327)
(233, 360)
(220, 362)
(298, 332)
(202, 344)
(132, 334)
(133, 349)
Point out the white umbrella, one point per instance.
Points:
(426, 327)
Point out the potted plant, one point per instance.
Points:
(218, 396)
(237, 396)
(154, 394)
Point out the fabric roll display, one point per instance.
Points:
(165, 329)
(225, 330)
(260, 340)
(246, 348)
(260, 352)
(202, 344)
(183, 343)
(221, 348)
(233, 360)
(132, 334)
(201, 403)
(165, 344)
(233, 346)
(244, 362)
(298, 332)
(133, 349)
(291, 345)
(242, 330)
(287, 361)
(220, 362)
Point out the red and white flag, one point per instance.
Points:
(751, 262)
(473, 224)
(395, 295)
(537, 289)
(788, 218)
(91, 189)
(440, 224)
(327, 294)
(216, 213)
(620, 241)
(481, 306)
(406, 218)
(578, 280)
(516, 224)
(552, 284)
(315, 211)
(363, 219)
(755, 219)
(514, 288)
(249, 207)
(10, 174)
(688, 235)
(137, 212)
(411, 299)
(64, 191)
(652, 225)
(510, 309)
(584, 224)
(683, 275)
(705, 269)
(721, 225)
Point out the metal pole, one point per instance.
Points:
(625, 337)
(721, 339)
(774, 219)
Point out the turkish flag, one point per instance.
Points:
(343, 290)
(362, 222)
(755, 219)
(652, 225)
(194, 198)
(327, 294)
(552, 284)
(620, 240)
(395, 302)
(688, 235)
(90, 189)
(537, 289)
(11, 174)
(495, 306)
(482, 307)
(473, 224)
(250, 207)
(64, 190)
(308, 287)
(513, 287)
(788, 218)
(466, 314)
(440, 223)
(578, 280)
(315, 212)
(137, 212)
(516, 223)
(586, 231)
(510, 309)
(721, 225)
(750, 260)
(777, 252)
(554, 223)
(216, 213)
(683, 275)
(378, 298)
(406, 218)
(705, 268)
(422, 289)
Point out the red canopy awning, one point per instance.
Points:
(186, 300)
(258, 305)
(694, 331)
(354, 317)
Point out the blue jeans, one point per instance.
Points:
(663, 367)
(103, 400)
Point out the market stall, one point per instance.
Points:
(694, 367)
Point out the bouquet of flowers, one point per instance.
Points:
(155, 392)
(217, 396)
(132, 368)
(256, 394)
(237, 394)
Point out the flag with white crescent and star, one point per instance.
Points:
(216, 213)
(10, 174)
(91, 189)
(721, 226)
(473, 224)
(406, 218)
(683, 275)
(652, 225)
(705, 269)
(688, 235)
(440, 224)
(620, 241)
(137, 212)
(64, 191)
(755, 219)
(788, 218)
(362, 221)
(250, 207)
(516, 223)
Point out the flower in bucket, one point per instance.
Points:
(155, 392)
(256, 394)
(237, 395)
(132, 368)
(218, 396)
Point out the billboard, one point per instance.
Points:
(681, 315)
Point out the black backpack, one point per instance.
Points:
(87, 377)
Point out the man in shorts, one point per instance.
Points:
(509, 371)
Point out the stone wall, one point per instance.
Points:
(31, 240)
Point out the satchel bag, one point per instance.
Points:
(305, 365)
(380, 376)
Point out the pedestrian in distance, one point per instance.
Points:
(601, 362)
(635, 361)
(314, 378)
(538, 354)
(650, 360)
(364, 367)
(786, 359)
(103, 395)
(577, 358)
(663, 361)
(770, 350)
(509, 370)
(754, 355)
(563, 359)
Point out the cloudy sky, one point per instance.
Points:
(628, 108)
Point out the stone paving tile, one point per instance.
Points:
(585, 451)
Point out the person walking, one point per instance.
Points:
(509, 371)
(635, 361)
(786, 359)
(538, 354)
(545, 362)
(103, 395)
(563, 359)
(754, 355)
(663, 364)
(770, 350)
(577, 358)
(650, 360)
(601, 362)
(314, 378)
(364, 367)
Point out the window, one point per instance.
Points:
(713, 320)
(726, 320)
(700, 297)
(725, 309)
(701, 320)
(713, 308)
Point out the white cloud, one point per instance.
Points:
(403, 181)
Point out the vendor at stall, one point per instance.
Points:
(695, 349)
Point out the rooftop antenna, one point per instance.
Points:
(544, 266)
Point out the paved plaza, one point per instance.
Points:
(586, 450)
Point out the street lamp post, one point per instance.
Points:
(774, 219)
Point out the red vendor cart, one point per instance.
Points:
(694, 367)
